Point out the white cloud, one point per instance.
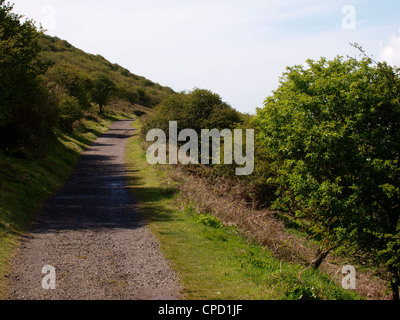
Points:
(391, 51)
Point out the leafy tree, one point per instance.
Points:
(332, 131)
(69, 111)
(129, 95)
(74, 82)
(24, 107)
(198, 109)
(103, 90)
(144, 98)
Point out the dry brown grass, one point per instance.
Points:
(226, 201)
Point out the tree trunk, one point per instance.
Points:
(317, 261)
(101, 108)
(395, 283)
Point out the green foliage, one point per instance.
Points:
(331, 130)
(103, 89)
(71, 80)
(69, 111)
(24, 104)
(208, 220)
(129, 87)
(301, 292)
(197, 110)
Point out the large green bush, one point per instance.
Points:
(197, 110)
(332, 131)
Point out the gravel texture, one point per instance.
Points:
(93, 236)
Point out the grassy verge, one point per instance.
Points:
(27, 179)
(214, 261)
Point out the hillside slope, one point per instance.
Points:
(72, 61)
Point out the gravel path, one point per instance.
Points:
(94, 238)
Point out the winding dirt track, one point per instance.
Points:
(93, 236)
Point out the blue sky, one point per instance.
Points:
(236, 48)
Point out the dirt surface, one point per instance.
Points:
(93, 236)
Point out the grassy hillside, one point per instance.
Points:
(68, 60)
